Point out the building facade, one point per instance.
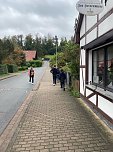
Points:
(95, 36)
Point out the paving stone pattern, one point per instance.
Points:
(55, 122)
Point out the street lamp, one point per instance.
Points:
(56, 43)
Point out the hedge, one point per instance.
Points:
(12, 68)
(34, 63)
(3, 69)
(22, 68)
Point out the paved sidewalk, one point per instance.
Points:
(55, 122)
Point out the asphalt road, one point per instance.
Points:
(13, 91)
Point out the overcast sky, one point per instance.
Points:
(55, 17)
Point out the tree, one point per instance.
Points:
(72, 58)
(8, 46)
(2, 52)
(20, 40)
(19, 57)
(38, 46)
(49, 46)
(28, 44)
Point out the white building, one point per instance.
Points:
(95, 35)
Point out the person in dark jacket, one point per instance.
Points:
(62, 79)
(58, 75)
(54, 73)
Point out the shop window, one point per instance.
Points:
(103, 67)
(110, 67)
(98, 67)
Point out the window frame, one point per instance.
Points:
(105, 73)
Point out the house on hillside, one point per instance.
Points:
(30, 55)
(95, 36)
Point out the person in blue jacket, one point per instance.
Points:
(62, 78)
(54, 73)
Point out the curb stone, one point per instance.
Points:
(11, 127)
(10, 75)
(8, 133)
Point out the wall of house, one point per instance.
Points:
(90, 21)
(82, 70)
(105, 25)
(107, 8)
(91, 36)
(82, 80)
(82, 32)
(105, 106)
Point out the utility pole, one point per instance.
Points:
(56, 43)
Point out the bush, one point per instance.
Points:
(34, 63)
(22, 68)
(75, 93)
(28, 64)
(3, 69)
(12, 68)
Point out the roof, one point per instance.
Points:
(30, 55)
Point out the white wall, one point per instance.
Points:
(106, 8)
(91, 20)
(105, 106)
(93, 99)
(82, 31)
(82, 42)
(82, 71)
(82, 80)
(91, 36)
(88, 92)
(106, 25)
(82, 57)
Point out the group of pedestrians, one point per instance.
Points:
(58, 75)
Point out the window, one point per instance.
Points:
(103, 67)
(110, 67)
(98, 66)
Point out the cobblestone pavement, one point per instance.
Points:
(55, 122)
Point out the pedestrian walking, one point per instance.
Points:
(54, 73)
(58, 74)
(62, 79)
(31, 75)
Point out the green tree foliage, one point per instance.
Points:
(28, 44)
(2, 53)
(38, 46)
(68, 52)
(43, 46)
(19, 57)
(8, 46)
(20, 41)
(68, 57)
(11, 52)
(63, 42)
(72, 58)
